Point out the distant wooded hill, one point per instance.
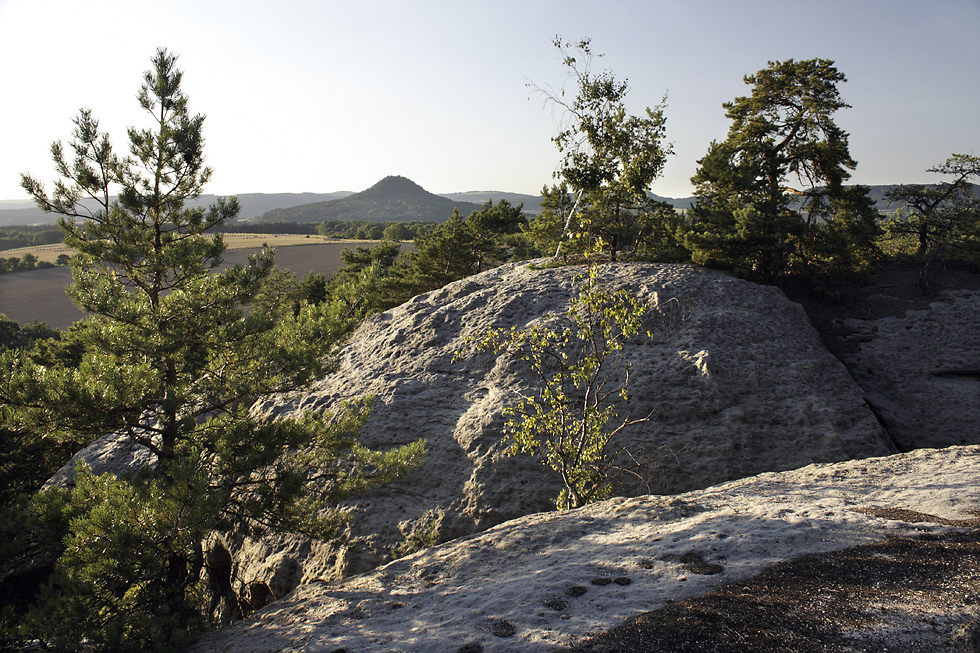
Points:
(391, 199)
(25, 212)
(532, 203)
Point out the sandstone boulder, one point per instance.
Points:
(114, 453)
(737, 379)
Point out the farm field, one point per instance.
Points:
(51, 252)
(40, 294)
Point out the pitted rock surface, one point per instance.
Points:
(737, 379)
(491, 591)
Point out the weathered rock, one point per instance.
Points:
(466, 590)
(113, 453)
(737, 378)
(921, 370)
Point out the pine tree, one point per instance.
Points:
(172, 359)
(449, 252)
(944, 216)
(768, 187)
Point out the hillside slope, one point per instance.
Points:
(391, 199)
(253, 205)
(531, 204)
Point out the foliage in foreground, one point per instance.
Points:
(570, 424)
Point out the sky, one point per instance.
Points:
(323, 95)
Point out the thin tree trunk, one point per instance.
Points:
(568, 224)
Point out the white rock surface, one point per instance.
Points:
(464, 591)
(737, 378)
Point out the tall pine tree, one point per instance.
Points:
(767, 191)
(172, 359)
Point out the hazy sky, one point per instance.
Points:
(320, 96)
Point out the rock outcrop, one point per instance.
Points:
(553, 579)
(920, 369)
(737, 379)
(112, 453)
(739, 385)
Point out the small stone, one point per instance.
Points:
(600, 581)
(502, 628)
(471, 647)
(576, 591)
(622, 580)
(556, 604)
(695, 564)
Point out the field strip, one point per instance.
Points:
(51, 252)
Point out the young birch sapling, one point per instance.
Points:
(583, 379)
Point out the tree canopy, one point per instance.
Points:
(609, 157)
(571, 423)
(943, 216)
(778, 175)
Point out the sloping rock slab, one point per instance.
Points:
(736, 377)
(921, 370)
(552, 579)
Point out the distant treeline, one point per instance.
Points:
(24, 236)
(353, 229)
(269, 228)
(12, 237)
(396, 231)
(28, 236)
(28, 262)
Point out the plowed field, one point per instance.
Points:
(40, 294)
